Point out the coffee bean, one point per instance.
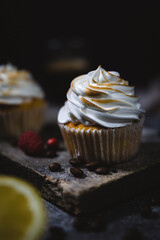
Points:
(102, 171)
(97, 225)
(81, 224)
(75, 162)
(50, 154)
(54, 167)
(133, 234)
(92, 165)
(146, 210)
(57, 233)
(155, 200)
(81, 159)
(76, 172)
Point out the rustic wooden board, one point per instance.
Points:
(92, 192)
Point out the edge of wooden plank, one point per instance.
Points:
(96, 198)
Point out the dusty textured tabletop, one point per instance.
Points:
(119, 220)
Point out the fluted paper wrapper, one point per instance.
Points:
(111, 145)
(13, 123)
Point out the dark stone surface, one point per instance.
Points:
(119, 219)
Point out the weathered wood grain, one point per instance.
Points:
(93, 192)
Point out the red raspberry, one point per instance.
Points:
(31, 143)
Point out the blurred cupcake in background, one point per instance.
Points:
(22, 102)
(102, 118)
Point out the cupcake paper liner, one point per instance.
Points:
(110, 145)
(14, 123)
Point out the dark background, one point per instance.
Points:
(120, 35)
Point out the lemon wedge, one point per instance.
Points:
(22, 214)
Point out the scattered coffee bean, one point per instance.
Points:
(146, 210)
(57, 233)
(91, 166)
(133, 234)
(54, 167)
(155, 200)
(81, 224)
(50, 154)
(76, 172)
(81, 159)
(102, 171)
(75, 162)
(97, 225)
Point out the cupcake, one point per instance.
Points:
(21, 102)
(101, 119)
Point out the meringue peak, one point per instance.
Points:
(100, 97)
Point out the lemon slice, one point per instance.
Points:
(22, 214)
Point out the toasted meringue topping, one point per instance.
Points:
(17, 86)
(100, 97)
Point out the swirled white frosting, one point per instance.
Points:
(17, 86)
(100, 98)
